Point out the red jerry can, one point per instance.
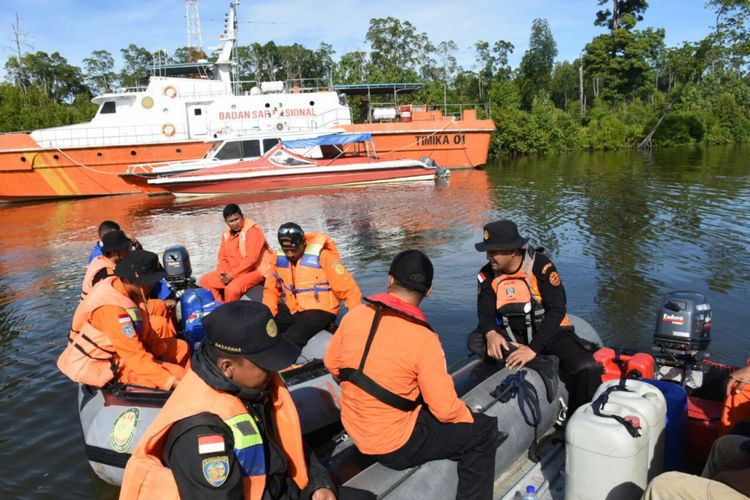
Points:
(616, 364)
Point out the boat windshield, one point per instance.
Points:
(284, 159)
(247, 149)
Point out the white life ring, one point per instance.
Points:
(279, 126)
(168, 129)
(170, 91)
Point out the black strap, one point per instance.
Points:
(358, 377)
(598, 405)
(528, 403)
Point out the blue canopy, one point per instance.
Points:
(326, 140)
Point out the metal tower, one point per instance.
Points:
(193, 21)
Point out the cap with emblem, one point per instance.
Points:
(500, 235)
(140, 267)
(247, 328)
(114, 241)
(413, 270)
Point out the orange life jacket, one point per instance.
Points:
(145, 475)
(307, 287)
(90, 357)
(518, 297)
(266, 259)
(100, 262)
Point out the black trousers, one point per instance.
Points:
(302, 326)
(471, 445)
(579, 371)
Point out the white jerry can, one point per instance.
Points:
(603, 459)
(650, 402)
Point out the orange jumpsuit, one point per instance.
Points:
(405, 358)
(247, 265)
(144, 358)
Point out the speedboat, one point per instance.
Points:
(331, 159)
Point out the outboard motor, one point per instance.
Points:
(176, 261)
(681, 336)
(440, 172)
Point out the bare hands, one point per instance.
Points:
(522, 355)
(323, 494)
(495, 345)
(737, 380)
(170, 303)
(226, 277)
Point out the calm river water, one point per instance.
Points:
(622, 228)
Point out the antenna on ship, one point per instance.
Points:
(194, 39)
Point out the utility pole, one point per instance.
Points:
(194, 39)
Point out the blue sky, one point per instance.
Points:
(75, 28)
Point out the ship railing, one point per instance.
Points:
(294, 85)
(451, 110)
(121, 135)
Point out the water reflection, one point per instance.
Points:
(622, 228)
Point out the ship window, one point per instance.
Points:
(269, 143)
(198, 111)
(284, 159)
(108, 108)
(230, 151)
(250, 149)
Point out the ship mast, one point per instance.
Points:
(194, 38)
(225, 62)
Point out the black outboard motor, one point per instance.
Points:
(682, 335)
(176, 261)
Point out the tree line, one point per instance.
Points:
(627, 88)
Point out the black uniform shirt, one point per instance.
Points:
(553, 299)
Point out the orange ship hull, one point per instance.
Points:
(28, 172)
(451, 143)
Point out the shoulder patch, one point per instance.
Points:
(126, 324)
(211, 443)
(339, 268)
(554, 279)
(546, 267)
(216, 470)
(481, 277)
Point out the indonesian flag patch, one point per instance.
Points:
(127, 325)
(481, 277)
(212, 443)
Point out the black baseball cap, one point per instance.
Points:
(141, 267)
(291, 234)
(247, 328)
(413, 270)
(501, 235)
(114, 241)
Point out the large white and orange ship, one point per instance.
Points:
(178, 118)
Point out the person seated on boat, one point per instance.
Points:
(230, 429)
(112, 337)
(115, 246)
(244, 258)
(105, 227)
(307, 283)
(726, 475)
(398, 402)
(522, 312)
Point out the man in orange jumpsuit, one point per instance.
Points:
(398, 402)
(111, 331)
(307, 283)
(244, 258)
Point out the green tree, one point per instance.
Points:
(51, 73)
(398, 51)
(564, 84)
(137, 61)
(352, 67)
(623, 14)
(99, 68)
(535, 70)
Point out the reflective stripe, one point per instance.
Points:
(248, 445)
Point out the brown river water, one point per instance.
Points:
(623, 229)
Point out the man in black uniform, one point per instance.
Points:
(522, 312)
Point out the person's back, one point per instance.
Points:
(407, 359)
(398, 402)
